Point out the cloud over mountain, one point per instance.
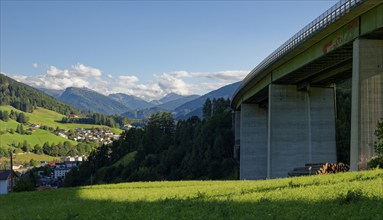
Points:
(180, 82)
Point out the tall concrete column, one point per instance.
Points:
(237, 132)
(301, 128)
(367, 99)
(323, 138)
(253, 146)
(288, 129)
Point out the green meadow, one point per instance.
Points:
(42, 117)
(353, 195)
(39, 116)
(51, 119)
(39, 136)
(124, 161)
(26, 157)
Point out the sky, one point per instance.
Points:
(145, 48)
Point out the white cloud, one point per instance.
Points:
(35, 65)
(171, 83)
(222, 75)
(180, 82)
(181, 73)
(56, 78)
(58, 73)
(53, 71)
(82, 70)
(128, 79)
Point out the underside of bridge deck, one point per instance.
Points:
(333, 67)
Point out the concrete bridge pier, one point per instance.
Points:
(301, 128)
(253, 142)
(296, 127)
(367, 99)
(237, 131)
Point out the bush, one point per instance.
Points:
(350, 197)
(23, 184)
(378, 147)
(376, 162)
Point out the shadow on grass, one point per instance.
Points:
(71, 204)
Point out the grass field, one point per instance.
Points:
(355, 195)
(39, 136)
(50, 118)
(124, 161)
(26, 157)
(43, 117)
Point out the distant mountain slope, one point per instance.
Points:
(186, 110)
(87, 99)
(171, 101)
(193, 106)
(170, 97)
(55, 93)
(130, 101)
(173, 104)
(26, 98)
(142, 113)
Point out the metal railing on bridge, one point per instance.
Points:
(328, 17)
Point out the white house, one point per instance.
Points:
(5, 181)
(60, 170)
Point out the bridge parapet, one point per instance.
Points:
(328, 17)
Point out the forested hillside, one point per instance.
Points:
(87, 99)
(190, 149)
(194, 107)
(26, 98)
(30, 122)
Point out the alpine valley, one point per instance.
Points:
(180, 106)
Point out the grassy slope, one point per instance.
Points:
(43, 117)
(22, 158)
(357, 195)
(47, 117)
(124, 161)
(40, 116)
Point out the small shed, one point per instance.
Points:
(5, 180)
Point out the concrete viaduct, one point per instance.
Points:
(285, 107)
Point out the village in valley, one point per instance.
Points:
(48, 175)
(102, 135)
(51, 174)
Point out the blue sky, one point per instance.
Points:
(145, 48)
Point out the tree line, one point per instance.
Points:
(14, 115)
(189, 149)
(52, 149)
(114, 121)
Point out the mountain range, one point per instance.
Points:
(87, 99)
(137, 108)
(132, 102)
(194, 107)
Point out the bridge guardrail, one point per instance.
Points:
(328, 17)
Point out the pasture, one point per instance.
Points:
(353, 195)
